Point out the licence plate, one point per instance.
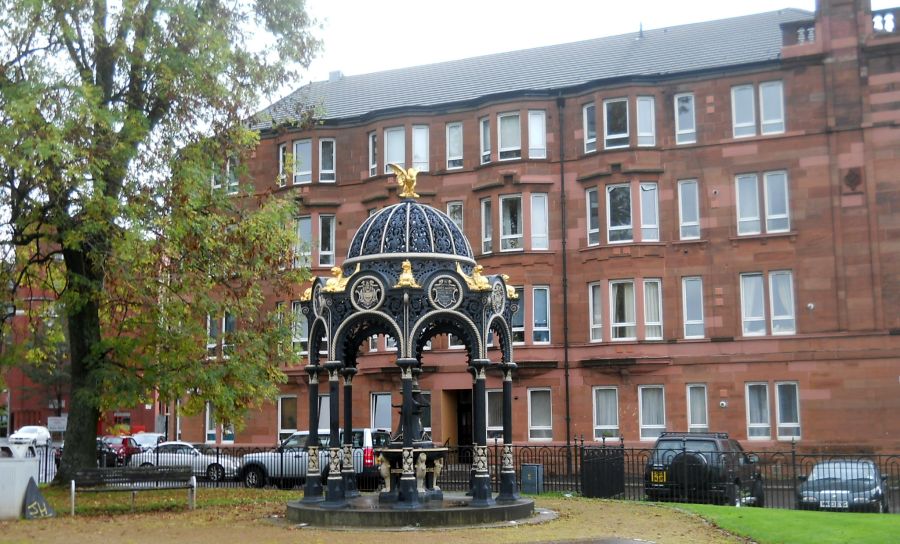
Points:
(832, 504)
(658, 476)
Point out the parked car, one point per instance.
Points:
(31, 434)
(703, 467)
(106, 455)
(214, 467)
(148, 441)
(124, 446)
(850, 485)
(286, 465)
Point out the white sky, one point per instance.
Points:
(363, 36)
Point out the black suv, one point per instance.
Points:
(703, 467)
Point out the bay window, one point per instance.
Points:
(618, 213)
(622, 315)
(454, 146)
(589, 125)
(511, 223)
(615, 123)
(302, 161)
(509, 136)
(646, 121)
(394, 148)
(326, 160)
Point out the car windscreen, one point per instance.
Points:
(842, 471)
(295, 441)
(114, 440)
(667, 449)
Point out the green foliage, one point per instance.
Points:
(114, 119)
(771, 525)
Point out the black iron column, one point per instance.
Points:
(481, 487)
(312, 491)
(508, 490)
(348, 471)
(408, 493)
(334, 492)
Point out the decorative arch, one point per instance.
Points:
(502, 332)
(465, 329)
(347, 327)
(317, 331)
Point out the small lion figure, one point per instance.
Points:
(384, 468)
(438, 467)
(420, 472)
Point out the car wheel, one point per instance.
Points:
(215, 472)
(254, 477)
(146, 464)
(759, 494)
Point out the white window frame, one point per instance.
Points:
(511, 152)
(455, 162)
(600, 429)
(617, 136)
(454, 342)
(630, 226)
(284, 432)
(776, 125)
(327, 175)
(327, 253)
(420, 147)
(595, 311)
(659, 300)
(537, 134)
(401, 154)
(778, 416)
(745, 218)
(686, 227)
(685, 135)
(770, 178)
(745, 319)
(210, 426)
(226, 178)
(390, 343)
(535, 329)
(593, 232)
(456, 204)
(512, 242)
(767, 425)
(282, 162)
(651, 428)
(494, 432)
(299, 329)
(484, 129)
(487, 226)
(588, 118)
(301, 176)
(645, 138)
(745, 129)
(649, 225)
(521, 292)
(373, 404)
(373, 153)
(540, 230)
(693, 426)
(212, 342)
(684, 306)
(782, 330)
(541, 428)
(612, 312)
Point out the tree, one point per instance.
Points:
(114, 117)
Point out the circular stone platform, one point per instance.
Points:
(365, 511)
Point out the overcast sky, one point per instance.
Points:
(363, 36)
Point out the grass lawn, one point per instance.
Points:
(774, 526)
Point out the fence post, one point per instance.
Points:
(793, 462)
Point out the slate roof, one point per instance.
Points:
(659, 53)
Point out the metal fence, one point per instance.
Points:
(605, 470)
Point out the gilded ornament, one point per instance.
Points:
(406, 179)
(307, 295)
(337, 283)
(477, 281)
(510, 290)
(406, 278)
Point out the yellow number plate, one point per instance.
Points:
(658, 476)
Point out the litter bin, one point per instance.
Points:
(532, 478)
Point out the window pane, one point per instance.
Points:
(684, 119)
(697, 408)
(511, 223)
(454, 145)
(394, 148)
(606, 413)
(772, 107)
(510, 136)
(288, 413)
(539, 415)
(652, 310)
(689, 209)
(646, 120)
(653, 414)
(485, 141)
(495, 409)
(693, 307)
(590, 128)
(540, 238)
(518, 317)
(420, 148)
(326, 240)
(743, 111)
(593, 217)
(758, 411)
(541, 325)
(649, 213)
(326, 160)
(618, 204)
(748, 205)
(324, 413)
(487, 228)
(623, 320)
(788, 410)
(299, 328)
(777, 210)
(596, 303)
(537, 135)
(373, 154)
(304, 241)
(302, 161)
(381, 410)
(781, 295)
(616, 123)
(752, 302)
(455, 211)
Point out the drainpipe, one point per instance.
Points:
(560, 108)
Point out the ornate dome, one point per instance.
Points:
(409, 230)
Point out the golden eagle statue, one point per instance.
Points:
(406, 179)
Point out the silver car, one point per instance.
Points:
(213, 466)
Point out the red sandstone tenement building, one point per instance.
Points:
(703, 222)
